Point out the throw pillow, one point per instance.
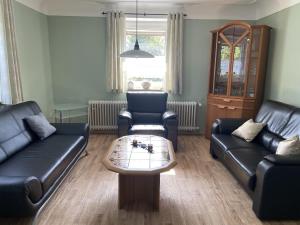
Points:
(249, 130)
(290, 146)
(40, 125)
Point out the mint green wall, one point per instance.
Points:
(283, 77)
(196, 62)
(34, 56)
(77, 46)
(77, 62)
(77, 58)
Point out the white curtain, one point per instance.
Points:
(5, 93)
(115, 46)
(11, 88)
(174, 53)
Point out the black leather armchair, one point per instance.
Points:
(271, 180)
(147, 114)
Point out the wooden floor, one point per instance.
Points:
(198, 191)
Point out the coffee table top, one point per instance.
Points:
(122, 157)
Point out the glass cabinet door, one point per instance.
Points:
(220, 82)
(231, 62)
(238, 36)
(253, 62)
(239, 69)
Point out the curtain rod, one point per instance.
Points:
(145, 14)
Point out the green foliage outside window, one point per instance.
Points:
(225, 52)
(150, 43)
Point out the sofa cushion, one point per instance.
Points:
(290, 146)
(248, 130)
(227, 142)
(40, 125)
(45, 159)
(242, 162)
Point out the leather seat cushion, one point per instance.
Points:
(226, 142)
(243, 162)
(45, 159)
(148, 129)
(146, 118)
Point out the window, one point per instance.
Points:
(146, 74)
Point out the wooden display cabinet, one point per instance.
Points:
(237, 71)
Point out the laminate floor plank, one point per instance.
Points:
(198, 191)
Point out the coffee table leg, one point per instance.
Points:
(156, 191)
(139, 188)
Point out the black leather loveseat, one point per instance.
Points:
(271, 180)
(147, 114)
(30, 169)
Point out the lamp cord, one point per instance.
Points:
(136, 20)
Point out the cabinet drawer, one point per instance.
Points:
(226, 108)
(215, 111)
(240, 103)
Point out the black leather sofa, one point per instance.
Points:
(30, 169)
(272, 181)
(147, 114)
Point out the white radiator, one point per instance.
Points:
(103, 115)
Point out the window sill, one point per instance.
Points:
(140, 90)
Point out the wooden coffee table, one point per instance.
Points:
(139, 171)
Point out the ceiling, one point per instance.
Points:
(180, 1)
(195, 9)
(160, 1)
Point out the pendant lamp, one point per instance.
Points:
(136, 52)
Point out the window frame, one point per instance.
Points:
(162, 33)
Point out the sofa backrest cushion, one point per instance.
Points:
(14, 133)
(141, 102)
(147, 107)
(2, 107)
(276, 116)
(292, 128)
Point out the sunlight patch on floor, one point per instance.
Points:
(171, 172)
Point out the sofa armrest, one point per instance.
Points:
(124, 122)
(168, 115)
(19, 194)
(81, 129)
(276, 194)
(283, 160)
(170, 122)
(125, 114)
(226, 125)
